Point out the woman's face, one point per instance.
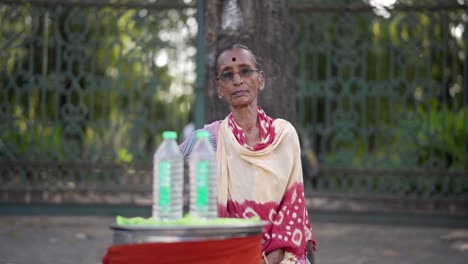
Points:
(239, 80)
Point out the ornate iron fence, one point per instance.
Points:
(87, 87)
(382, 95)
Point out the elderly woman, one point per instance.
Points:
(259, 162)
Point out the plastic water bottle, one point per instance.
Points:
(203, 182)
(168, 177)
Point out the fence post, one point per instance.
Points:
(199, 112)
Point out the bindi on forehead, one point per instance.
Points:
(233, 59)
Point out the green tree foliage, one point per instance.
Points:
(93, 82)
(367, 81)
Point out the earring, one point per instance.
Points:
(220, 97)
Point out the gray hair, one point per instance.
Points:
(234, 46)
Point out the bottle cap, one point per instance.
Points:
(169, 135)
(202, 134)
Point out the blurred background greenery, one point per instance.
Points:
(87, 87)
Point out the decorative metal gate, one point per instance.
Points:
(382, 95)
(86, 88)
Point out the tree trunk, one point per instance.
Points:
(263, 26)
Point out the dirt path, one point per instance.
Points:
(84, 240)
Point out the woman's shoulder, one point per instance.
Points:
(284, 125)
(187, 145)
(213, 126)
(285, 131)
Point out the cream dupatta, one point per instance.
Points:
(266, 183)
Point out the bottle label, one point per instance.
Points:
(203, 172)
(165, 185)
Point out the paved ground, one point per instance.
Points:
(83, 240)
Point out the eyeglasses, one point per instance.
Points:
(244, 72)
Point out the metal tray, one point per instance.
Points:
(125, 234)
